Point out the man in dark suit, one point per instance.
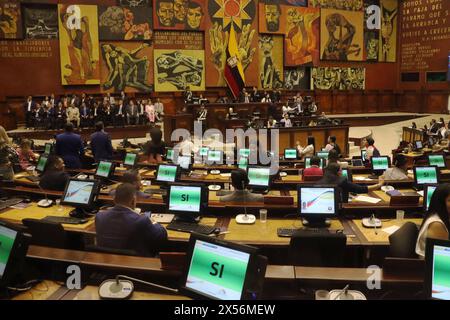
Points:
(69, 146)
(132, 113)
(119, 114)
(28, 108)
(54, 177)
(122, 228)
(85, 115)
(101, 143)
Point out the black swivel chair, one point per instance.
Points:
(311, 249)
(51, 234)
(402, 243)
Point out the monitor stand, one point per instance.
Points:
(80, 213)
(186, 218)
(316, 223)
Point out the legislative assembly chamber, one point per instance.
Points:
(224, 150)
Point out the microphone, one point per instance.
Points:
(244, 218)
(123, 289)
(44, 203)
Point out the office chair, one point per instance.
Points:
(311, 249)
(50, 234)
(402, 243)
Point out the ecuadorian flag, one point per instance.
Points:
(234, 72)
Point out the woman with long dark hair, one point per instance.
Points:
(436, 223)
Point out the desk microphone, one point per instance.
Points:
(44, 203)
(123, 289)
(245, 218)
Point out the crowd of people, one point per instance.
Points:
(84, 111)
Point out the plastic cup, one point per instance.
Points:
(400, 215)
(263, 215)
(322, 295)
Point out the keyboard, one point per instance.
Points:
(65, 220)
(33, 178)
(9, 202)
(290, 232)
(190, 227)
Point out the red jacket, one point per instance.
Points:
(313, 171)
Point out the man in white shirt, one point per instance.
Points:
(159, 109)
(286, 121)
(28, 107)
(73, 115)
(119, 114)
(186, 147)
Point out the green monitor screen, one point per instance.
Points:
(436, 160)
(166, 173)
(7, 239)
(185, 199)
(244, 152)
(243, 163)
(428, 193)
(425, 175)
(170, 154)
(345, 173)
(217, 271)
(323, 154)
(204, 151)
(42, 162)
(259, 177)
(214, 156)
(104, 169)
(308, 163)
(130, 159)
(363, 154)
(440, 273)
(290, 154)
(48, 148)
(380, 163)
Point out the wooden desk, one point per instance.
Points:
(45, 290)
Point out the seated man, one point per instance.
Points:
(122, 228)
(54, 177)
(314, 169)
(133, 177)
(239, 181)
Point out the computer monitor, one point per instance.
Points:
(222, 270)
(425, 175)
(323, 154)
(316, 203)
(380, 164)
(204, 151)
(259, 177)
(437, 160)
(243, 163)
(80, 194)
(167, 173)
(215, 156)
(244, 152)
(184, 162)
(418, 145)
(357, 163)
(428, 191)
(308, 163)
(290, 154)
(437, 261)
(170, 154)
(105, 169)
(130, 159)
(42, 163)
(48, 148)
(187, 202)
(13, 249)
(347, 173)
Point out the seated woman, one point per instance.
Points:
(331, 176)
(134, 178)
(26, 155)
(155, 148)
(436, 223)
(309, 150)
(239, 181)
(400, 169)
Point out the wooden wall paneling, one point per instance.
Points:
(436, 102)
(284, 141)
(371, 101)
(340, 102)
(301, 137)
(387, 101)
(411, 101)
(341, 139)
(324, 101)
(355, 102)
(320, 137)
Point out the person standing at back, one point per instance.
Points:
(69, 147)
(101, 143)
(372, 151)
(333, 145)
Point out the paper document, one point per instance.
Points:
(360, 178)
(367, 199)
(390, 230)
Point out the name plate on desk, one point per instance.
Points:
(278, 200)
(405, 199)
